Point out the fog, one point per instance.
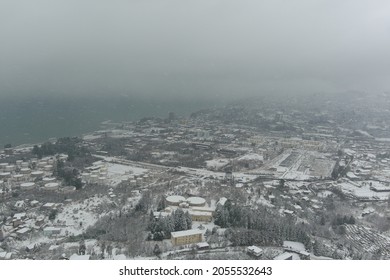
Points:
(202, 48)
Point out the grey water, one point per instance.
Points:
(35, 119)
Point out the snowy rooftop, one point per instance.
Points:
(20, 215)
(29, 184)
(23, 230)
(196, 200)
(204, 209)
(222, 201)
(175, 198)
(284, 256)
(200, 213)
(51, 229)
(202, 244)
(185, 233)
(255, 249)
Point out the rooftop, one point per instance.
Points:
(182, 233)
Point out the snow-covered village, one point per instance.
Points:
(229, 183)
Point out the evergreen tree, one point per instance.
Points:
(317, 248)
(161, 204)
(157, 250)
(170, 223)
(188, 219)
(218, 215)
(322, 220)
(180, 220)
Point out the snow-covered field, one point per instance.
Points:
(78, 216)
(360, 190)
(115, 170)
(217, 175)
(217, 163)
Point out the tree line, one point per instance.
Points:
(68, 174)
(67, 145)
(258, 226)
(162, 226)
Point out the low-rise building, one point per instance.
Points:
(198, 216)
(49, 231)
(186, 237)
(254, 251)
(202, 246)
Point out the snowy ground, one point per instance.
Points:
(33, 240)
(83, 212)
(115, 170)
(218, 175)
(360, 190)
(299, 165)
(217, 163)
(118, 173)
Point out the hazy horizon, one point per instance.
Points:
(35, 119)
(65, 66)
(170, 49)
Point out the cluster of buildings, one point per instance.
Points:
(290, 162)
(27, 175)
(195, 206)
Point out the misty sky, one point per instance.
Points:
(199, 47)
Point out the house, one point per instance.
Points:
(202, 246)
(49, 205)
(17, 223)
(20, 216)
(40, 221)
(20, 205)
(34, 203)
(254, 251)
(186, 237)
(23, 230)
(304, 255)
(296, 247)
(49, 231)
(5, 255)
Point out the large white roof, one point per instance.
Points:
(26, 185)
(175, 198)
(51, 185)
(196, 200)
(185, 233)
(200, 213)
